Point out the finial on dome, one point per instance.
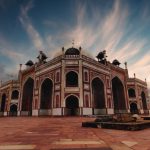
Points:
(72, 43)
(20, 67)
(80, 48)
(134, 75)
(125, 65)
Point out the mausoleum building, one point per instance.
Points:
(73, 84)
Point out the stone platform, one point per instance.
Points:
(133, 126)
(45, 133)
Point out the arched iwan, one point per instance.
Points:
(46, 97)
(118, 96)
(98, 96)
(27, 97)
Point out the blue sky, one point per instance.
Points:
(122, 27)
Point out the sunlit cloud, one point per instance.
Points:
(9, 52)
(108, 33)
(142, 67)
(112, 31)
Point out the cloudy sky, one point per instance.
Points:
(122, 27)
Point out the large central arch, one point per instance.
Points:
(118, 95)
(46, 94)
(72, 105)
(3, 102)
(27, 97)
(98, 95)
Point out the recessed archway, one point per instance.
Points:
(3, 102)
(72, 105)
(13, 110)
(15, 94)
(118, 95)
(71, 79)
(46, 94)
(133, 108)
(27, 97)
(144, 101)
(98, 93)
(131, 93)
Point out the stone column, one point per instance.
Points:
(62, 84)
(80, 85)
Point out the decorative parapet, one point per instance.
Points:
(72, 56)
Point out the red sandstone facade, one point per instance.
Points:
(74, 84)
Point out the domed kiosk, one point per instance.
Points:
(72, 51)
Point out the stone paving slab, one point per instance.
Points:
(45, 133)
(17, 147)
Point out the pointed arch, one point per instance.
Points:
(3, 102)
(144, 100)
(118, 95)
(72, 105)
(15, 94)
(71, 79)
(27, 97)
(46, 94)
(98, 93)
(133, 108)
(131, 93)
(13, 110)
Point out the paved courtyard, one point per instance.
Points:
(43, 133)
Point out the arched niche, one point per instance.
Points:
(71, 79)
(15, 94)
(131, 93)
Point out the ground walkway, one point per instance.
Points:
(22, 133)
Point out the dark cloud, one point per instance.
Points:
(5, 4)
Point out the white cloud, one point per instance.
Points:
(27, 24)
(9, 52)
